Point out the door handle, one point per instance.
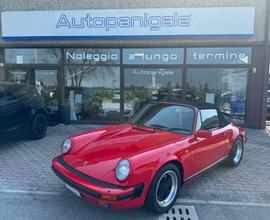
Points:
(223, 135)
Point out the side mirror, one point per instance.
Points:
(203, 134)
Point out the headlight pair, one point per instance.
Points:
(122, 169)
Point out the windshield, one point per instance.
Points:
(168, 117)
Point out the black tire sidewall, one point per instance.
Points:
(33, 133)
(232, 153)
(151, 196)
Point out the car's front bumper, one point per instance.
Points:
(96, 191)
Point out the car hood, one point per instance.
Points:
(97, 153)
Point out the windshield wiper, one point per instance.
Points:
(159, 126)
(167, 128)
(178, 129)
(141, 126)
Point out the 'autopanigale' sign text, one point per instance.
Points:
(158, 22)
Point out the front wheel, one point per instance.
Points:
(236, 153)
(38, 127)
(164, 189)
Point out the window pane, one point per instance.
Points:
(199, 122)
(153, 56)
(92, 56)
(46, 84)
(238, 55)
(19, 76)
(144, 84)
(2, 75)
(167, 117)
(2, 94)
(1, 56)
(222, 86)
(91, 91)
(33, 56)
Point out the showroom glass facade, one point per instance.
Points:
(111, 84)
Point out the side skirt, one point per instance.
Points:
(205, 169)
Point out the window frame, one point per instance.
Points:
(210, 128)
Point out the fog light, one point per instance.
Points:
(110, 198)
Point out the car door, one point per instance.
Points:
(207, 151)
(15, 108)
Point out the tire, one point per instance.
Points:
(161, 201)
(236, 153)
(38, 126)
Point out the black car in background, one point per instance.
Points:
(22, 111)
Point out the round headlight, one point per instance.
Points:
(66, 146)
(122, 170)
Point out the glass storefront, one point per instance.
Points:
(2, 76)
(39, 67)
(92, 83)
(222, 86)
(32, 56)
(93, 92)
(111, 84)
(144, 84)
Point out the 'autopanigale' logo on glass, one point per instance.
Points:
(160, 72)
(96, 57)
(153, 22)
(163, 57)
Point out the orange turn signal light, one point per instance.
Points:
(110, 198)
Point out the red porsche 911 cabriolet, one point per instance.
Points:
(147, 160)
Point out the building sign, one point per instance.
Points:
(153, 56)
(222, 55)
(92, 56)
(159, 22)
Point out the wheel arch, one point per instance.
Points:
(180, 168)
(39, 110)
(175, 162)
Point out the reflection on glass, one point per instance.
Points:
(168, 117)
(144, 84)
(32, 56)
(46, 84)
(222, 86)
(18, 76)
(1, 55)
(92, 92)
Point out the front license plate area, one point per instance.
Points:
(74, 191)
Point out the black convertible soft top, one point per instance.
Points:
(198, 105)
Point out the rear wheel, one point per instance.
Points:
(164, 189)
(236, 153)
(38, 127)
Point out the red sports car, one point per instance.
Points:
(147, 160)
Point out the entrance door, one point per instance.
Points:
(46, 82)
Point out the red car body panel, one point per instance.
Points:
(96, 154)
